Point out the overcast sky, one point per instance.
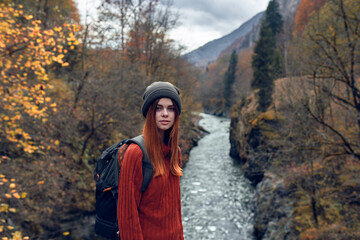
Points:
(200, 21)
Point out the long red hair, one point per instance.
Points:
(153, 143)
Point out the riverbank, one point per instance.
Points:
(304, 188)
(253, 138)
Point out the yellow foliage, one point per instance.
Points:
(268, 115)
(264, 116)
(13, 210)
(17, 235)
(4, 207)
(26, 52)
(16, 195)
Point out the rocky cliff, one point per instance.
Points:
(299, 195)
(253, 138)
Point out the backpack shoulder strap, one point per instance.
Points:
(147, 168)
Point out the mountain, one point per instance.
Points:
(202, 56)
(288, 11)
(242, 37)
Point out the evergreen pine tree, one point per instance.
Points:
(275, 22)
(229, 81)
(274, 18)
(266, 61)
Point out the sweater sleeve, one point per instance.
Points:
(130, 181)
(181, 237)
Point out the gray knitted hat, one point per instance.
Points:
(160, 90)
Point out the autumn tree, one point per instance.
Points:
(27, 53)
(311, 142)
(211, 92)
(65, 101)
(332, 52)
(328, 94)
(305, 10)
(126, 50)
(26, 50)
(140, 30)
(51, 13)
(149, 43)
(113, 22)
(266, 62)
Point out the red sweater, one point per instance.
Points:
(154, 214)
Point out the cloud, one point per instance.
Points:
(192, 38)
(201, 21)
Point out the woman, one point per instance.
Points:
(155, 213)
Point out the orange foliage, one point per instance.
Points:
(25, 52)
(306, 9)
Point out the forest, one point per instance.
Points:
(68, 92)
(297, 129)
(71, 89)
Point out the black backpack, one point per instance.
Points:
(106, 176)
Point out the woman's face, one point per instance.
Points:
(165, 114)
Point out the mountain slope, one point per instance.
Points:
(202, 56)
(240, 38)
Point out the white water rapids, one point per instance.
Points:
(216, 198)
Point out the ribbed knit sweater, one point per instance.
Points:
(154, 214)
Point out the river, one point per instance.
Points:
(216, 198)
